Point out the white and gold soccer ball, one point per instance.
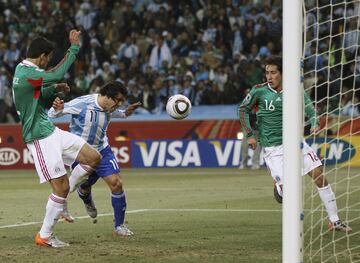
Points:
(178, 106)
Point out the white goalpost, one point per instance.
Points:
(292, 131)
(321, 56)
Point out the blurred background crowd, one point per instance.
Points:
(209, 50)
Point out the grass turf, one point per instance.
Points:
(177, 215)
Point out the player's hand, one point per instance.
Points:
(74, 37)
(131, 108)
(252, 143)
(58, 104)
(62, 87)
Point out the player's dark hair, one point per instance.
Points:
(39, 46)
(275, 60)
(112, 89)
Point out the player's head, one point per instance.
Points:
(40, 51)
(113, 94)
(273, 71)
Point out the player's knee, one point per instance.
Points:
(95, 159)
(66, 190)
(63, 191)
(319, 178)
(116, 186)
(319, 170)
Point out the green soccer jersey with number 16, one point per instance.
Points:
(268, 104)
(32, 89)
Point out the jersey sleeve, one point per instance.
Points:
(73, 107)
(245, 110)
(310, 111)
(48, 92)
(56, 73)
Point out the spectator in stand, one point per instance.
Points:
(85, 16)
(82, 83)
(4, 89)
(147, 98)
(128, 50)
(156, 5)
(160, 53)
(275, 28)
(11, 57)
(161, 40)
(235, 19)
(238, 41)
(96, 55)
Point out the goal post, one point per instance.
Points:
(321, 57)
(331, 43)
(292, 132)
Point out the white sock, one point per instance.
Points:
(328, 198)
(79, 174)
(54, 207)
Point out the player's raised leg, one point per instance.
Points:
(84, 192)
(88, 158)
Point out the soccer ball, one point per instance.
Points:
(178, 107)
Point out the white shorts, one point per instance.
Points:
(52, 153)
(273, 157)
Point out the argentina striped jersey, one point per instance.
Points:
(88, 119)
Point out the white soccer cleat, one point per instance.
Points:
(123, 231)
(241, 167)
(51, 241)
(255, 167)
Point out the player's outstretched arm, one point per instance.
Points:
(131, 108)
(74, 37)
(127, 112)
(73, 107)
(49, 93)
(57, 108)
(57, 73)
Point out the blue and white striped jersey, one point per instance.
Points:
(88, 119)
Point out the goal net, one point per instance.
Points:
(331, 70)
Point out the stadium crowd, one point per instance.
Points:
(210, 51)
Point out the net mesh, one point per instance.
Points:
(331, 60)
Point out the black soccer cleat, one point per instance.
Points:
(339, 226)
(277, 196)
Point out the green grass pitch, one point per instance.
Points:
(177, 215)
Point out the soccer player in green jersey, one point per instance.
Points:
(51, 148)
(267, 97)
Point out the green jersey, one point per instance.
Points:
(33, 88)
(268, 104)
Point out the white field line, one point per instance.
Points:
(167, 210)
(152, 210)
(214, 172)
